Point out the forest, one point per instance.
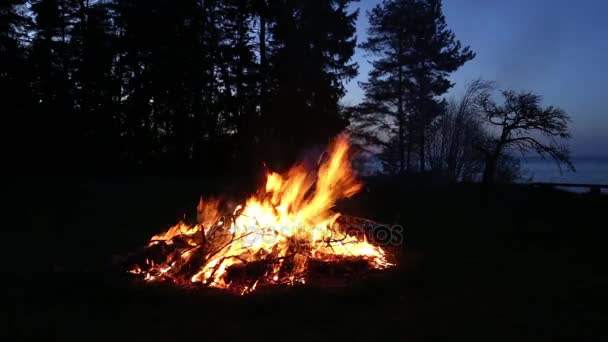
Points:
(224, 88)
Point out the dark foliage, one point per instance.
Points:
(415, 53)
(163, 87)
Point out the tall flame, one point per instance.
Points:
(286, 224)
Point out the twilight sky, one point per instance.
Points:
(556, 48)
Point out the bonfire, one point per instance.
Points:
(276, 237)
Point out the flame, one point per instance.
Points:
(286, 224)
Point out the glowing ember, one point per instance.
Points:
(272, 238)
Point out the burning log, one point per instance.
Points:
(284, 235)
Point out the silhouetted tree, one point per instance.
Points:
(523, 125)
(13, 26)
(416, 53)
(454, 137)
(15, 97)
(92, 50)
(177, 69)
(262, 10)
(309, 51)
(56, 125)
(161, 86)
(240, 74)
(391, 157)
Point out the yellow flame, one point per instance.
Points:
(291, 215)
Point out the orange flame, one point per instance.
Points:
(289, 222)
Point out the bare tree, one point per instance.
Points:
(522, 125)
(452, 145)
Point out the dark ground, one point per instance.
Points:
(526, 263)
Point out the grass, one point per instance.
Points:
(520, 263)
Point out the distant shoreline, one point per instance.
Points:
(573, 158)
(589, 170)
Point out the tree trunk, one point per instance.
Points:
(492, 160)
(422, 142)
(262, 128)
(400, 111)
(263, 62)
(454, 146)
(490, 169)
(401, 148)
(409, 150)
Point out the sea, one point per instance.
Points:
(589, 170)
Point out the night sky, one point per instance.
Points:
(556, 48)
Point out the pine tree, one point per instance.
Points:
(310, 47)
(239, 73)
(52, 86)
(415, 53)
(92, 49)
(188, 86)
(15, 96)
